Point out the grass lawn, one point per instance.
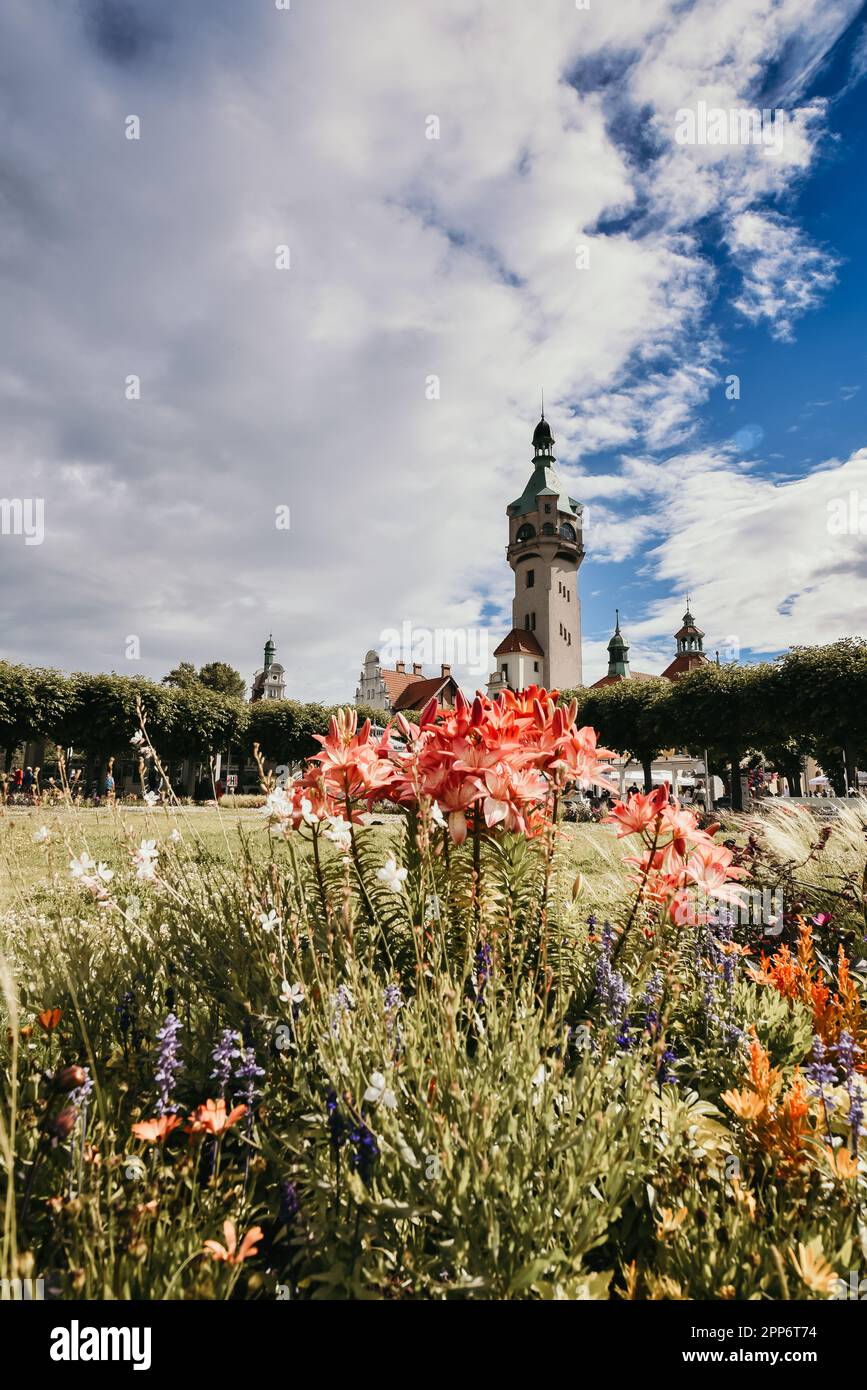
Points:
(25, 866)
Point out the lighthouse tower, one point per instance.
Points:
(545, 550)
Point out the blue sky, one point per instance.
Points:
(307, 386)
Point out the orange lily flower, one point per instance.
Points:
(231, 1253)
(211, 1118)
(156, 1131)
(49, 1019)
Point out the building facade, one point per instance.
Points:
(269, 683)
(545, 551)
(391, 691)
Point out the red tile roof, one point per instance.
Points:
(396, 683)
(417, 694)
(519, 640)
(683, 662)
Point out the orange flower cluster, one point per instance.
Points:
(778, 1125)
(679, 860)
(210, 1118)
(798, 977)
(485, 763)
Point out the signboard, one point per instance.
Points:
(231, 781)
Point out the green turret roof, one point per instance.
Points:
(618, 652)
(545, 481)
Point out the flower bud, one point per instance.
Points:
(69, 1078)
(63, 1123)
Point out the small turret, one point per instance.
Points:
(618, 651)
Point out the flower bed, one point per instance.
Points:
(420, 1065)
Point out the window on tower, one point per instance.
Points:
(531, 578)
(525, 532)
(568, 532)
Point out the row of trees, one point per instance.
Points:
(811, 701)
(97, 715)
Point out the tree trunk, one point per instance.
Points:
(647, 765)
(737, 791)
(93, 768)
(851, 765)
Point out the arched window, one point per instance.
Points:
(547, 529)
(526, 532)
(568, 532)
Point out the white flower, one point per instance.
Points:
(307, 815)
(151, 798)
(277, 805)
(175, 836)
(378, 1092)
(538, 1080)
(392, 875)
(81, 866)
(145, 860)
(292, 994)
(104, 872)
(437, 816)
(137, 738)
(269, 920)
(42, 836)
(339, 832)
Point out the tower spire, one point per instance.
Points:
(618, 652)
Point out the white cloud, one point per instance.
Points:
(409, 258)
(783, 275)
(766, 563)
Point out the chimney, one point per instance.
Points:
(416, 668)
(400, 667)
(445, 670)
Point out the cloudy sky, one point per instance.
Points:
(553, 234)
